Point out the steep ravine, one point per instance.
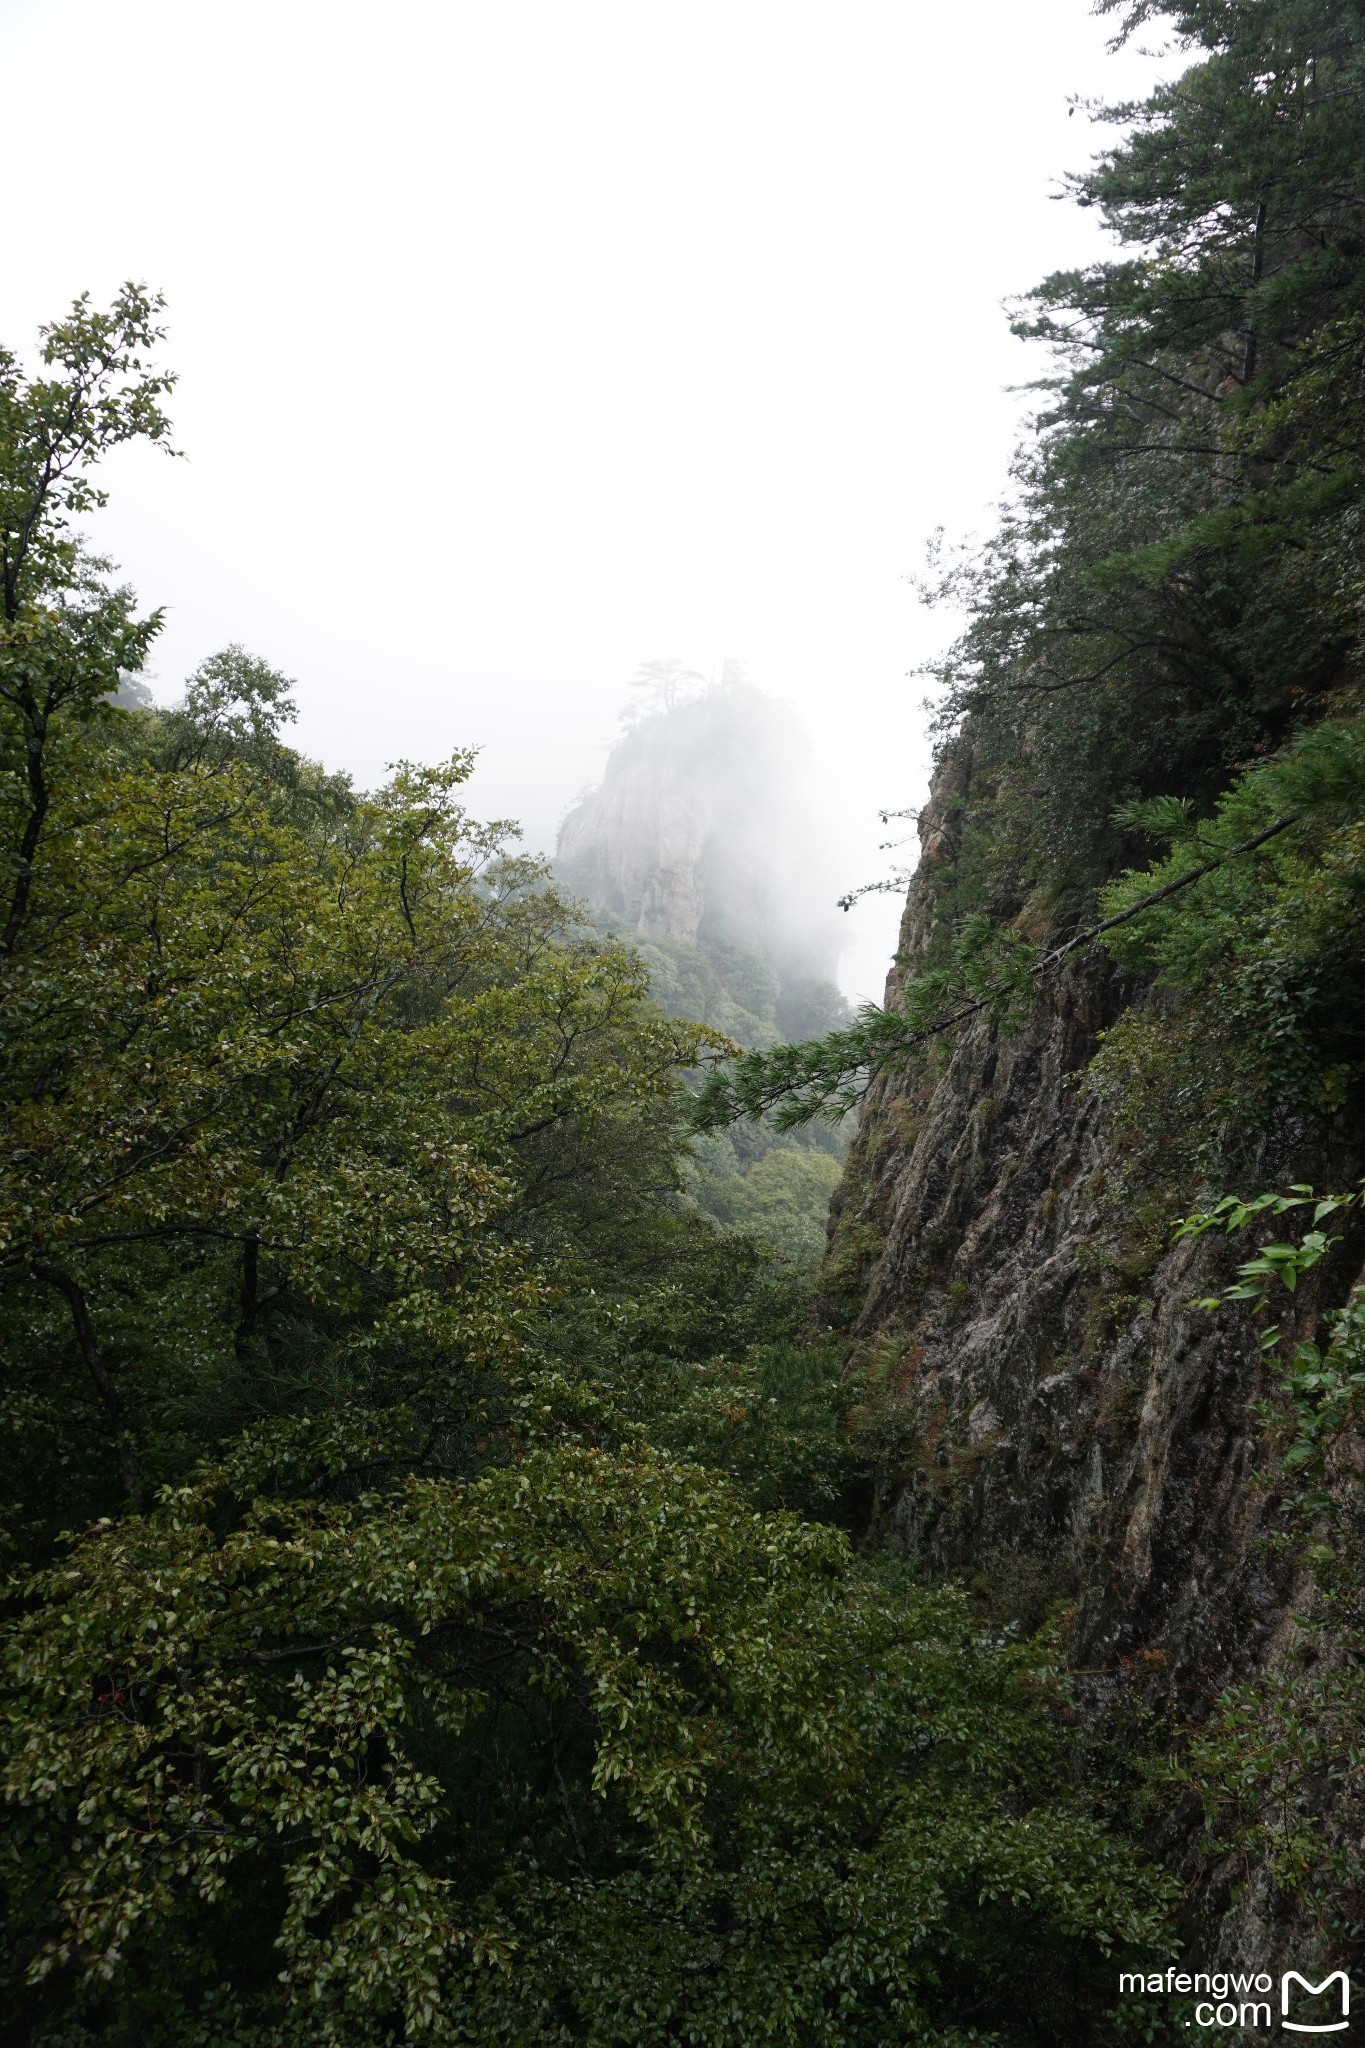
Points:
(1053, 1419)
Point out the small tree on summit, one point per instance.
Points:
(661, 686)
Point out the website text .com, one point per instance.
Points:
(1250, 2000)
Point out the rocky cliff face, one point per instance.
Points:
(636, 846)
(1054, 1420)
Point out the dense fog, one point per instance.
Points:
(710, 827)
(519, 345)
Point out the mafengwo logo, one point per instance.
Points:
(1294, 1990)
(1243, 2001)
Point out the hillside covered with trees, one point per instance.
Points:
(457, 1593)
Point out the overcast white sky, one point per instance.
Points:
(524, 340)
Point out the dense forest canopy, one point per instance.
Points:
(434, 1608)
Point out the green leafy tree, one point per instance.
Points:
(66, 639)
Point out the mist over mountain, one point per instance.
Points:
(705, 842)
(705, 845)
